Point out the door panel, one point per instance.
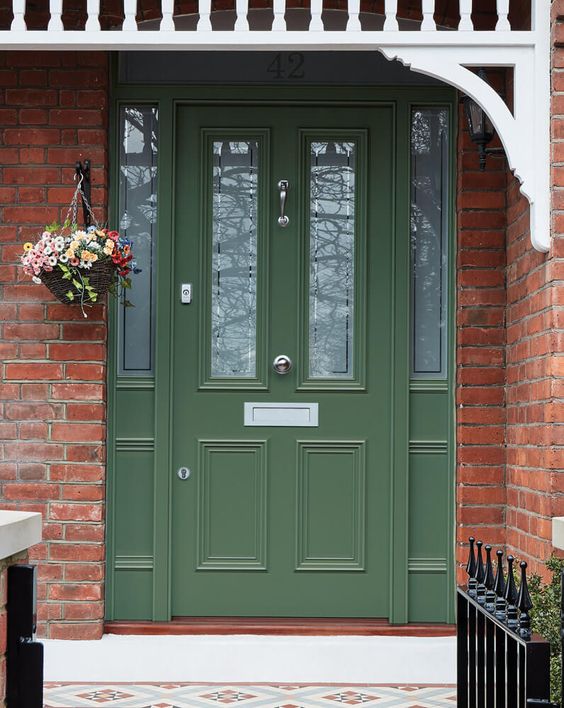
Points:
(293, 521)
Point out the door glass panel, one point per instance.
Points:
(234, 258)
(331, 259)
(138, 222)
(429, 241)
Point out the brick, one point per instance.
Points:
(76, 512)
(31, 491)
(77, 432)
(72, 591)
(82, 552)
(73, 630)
(34, 371)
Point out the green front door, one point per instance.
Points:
(285, 511)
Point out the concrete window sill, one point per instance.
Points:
(19, 530)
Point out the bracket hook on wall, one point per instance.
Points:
(83, 175)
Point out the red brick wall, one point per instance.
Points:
(535, 353)
(532, 485)
(480, 327)
(53, 111)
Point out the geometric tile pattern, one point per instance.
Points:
(185, 695)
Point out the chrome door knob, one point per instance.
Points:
(282, 364)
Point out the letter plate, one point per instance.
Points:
(287, 415)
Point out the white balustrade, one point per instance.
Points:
(391, 12)
(18, 23)
(167, 23)
(428, 16)
(130, 12)
(465, 23)
(502, 16)
(55, 11)
(241, 22)
(316, 23)
(279, 9)
(93, 20)
(353, 23)
(204, 23)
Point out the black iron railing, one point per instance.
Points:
(500, 663)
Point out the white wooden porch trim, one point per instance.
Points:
(444, 55)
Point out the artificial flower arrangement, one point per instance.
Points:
(82, 265)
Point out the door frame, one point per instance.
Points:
(402, 99)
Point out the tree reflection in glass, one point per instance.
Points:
(234, 258)
(331, 259)
(429, 229)
(138, 219)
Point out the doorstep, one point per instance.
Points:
(297, 626)
(354, 660)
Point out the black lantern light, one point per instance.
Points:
(480, 126)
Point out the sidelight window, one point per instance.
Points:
(430, 190)
(138, 221)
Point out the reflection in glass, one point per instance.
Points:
(331, 259)
(138, 221)
(234, 258)
(429, 241)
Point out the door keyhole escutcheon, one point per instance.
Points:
(283, 220)
(282, 364)
(183, 473)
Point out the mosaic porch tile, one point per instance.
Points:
(178, 695)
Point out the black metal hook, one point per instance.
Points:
(83, 175)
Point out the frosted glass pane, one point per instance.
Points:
(138, 222)
(429, 241)
(331, 259)
(234, 258)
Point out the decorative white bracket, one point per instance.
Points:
(525, 134)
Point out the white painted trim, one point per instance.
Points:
(19, 530)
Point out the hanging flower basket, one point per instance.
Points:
(80, 265)
(100, 278)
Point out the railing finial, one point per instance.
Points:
(511, 595)
(489, 581)
(499, 587)
(524, 604)
(480, 575)
(471, 567)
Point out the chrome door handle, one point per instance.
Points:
(282, 364)
(283, 220)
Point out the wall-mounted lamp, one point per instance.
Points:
(480, 126)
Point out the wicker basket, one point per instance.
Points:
(100, 276)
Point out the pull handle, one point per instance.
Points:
(283, 220)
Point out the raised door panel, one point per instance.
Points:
(232, 505)
(331, 501)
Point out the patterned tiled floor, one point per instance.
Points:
(176, 695)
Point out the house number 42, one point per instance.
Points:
(287, 66)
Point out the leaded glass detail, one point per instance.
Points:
(234, 258)
(429, 241)
(138, 222)
(331, 259)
